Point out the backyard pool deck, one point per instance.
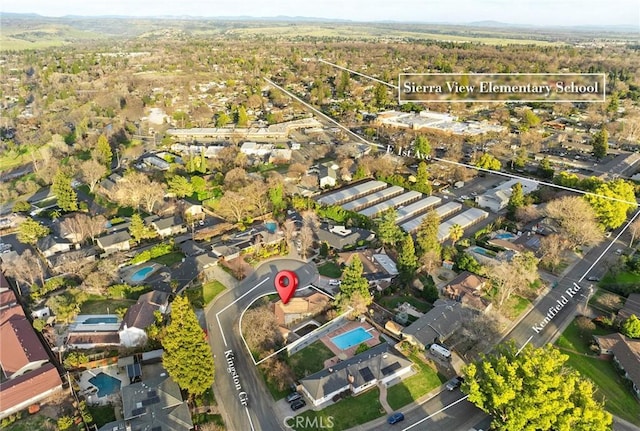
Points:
(347, 353)
(90, 391)
(127, 272)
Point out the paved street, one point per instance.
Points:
(225, 337)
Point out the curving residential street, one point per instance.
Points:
(243, 384)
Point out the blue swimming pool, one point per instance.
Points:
(506, 235)
(351, 338)
(106, 384)
(482, 251)
(141, 274)
(98, 320)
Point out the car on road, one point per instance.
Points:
(454, 383)
(593, 278)
(335, 282)
(298, 404)
(394, 418)
(293, 396)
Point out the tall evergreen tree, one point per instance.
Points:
(516, 200)
(187, 356)
(61, 187)
(422, 179)
(427, 235)
(242, 119)
(600, 143)
(30, 231)
(407, 260)
(354, 289)
(103, 152)
(139, 230)
(388, 231)
(422, 146)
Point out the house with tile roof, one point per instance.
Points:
(27, 376)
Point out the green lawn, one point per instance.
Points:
(574, 339)
(310, 359)
(104, 306)
(515, 306)
(392, 303)
(620, 278)
(169, 259)
(330, 269)
(412, 388)
(102, 414)
(212, 289)
(610, 384)
(201, 295)
(349, 412)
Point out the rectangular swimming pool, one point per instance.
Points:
(351, 338)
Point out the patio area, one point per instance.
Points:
(342, 354)
(91, 391)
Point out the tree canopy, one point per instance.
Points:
(427, 235)
(388, 231)
(612, 213)
(187, 356)
(487, 161)
(421, 146)
(180, 186)
(533, 390)
(354, 289)
(407, 260)
(600, 143)
(631, 327)
(30, 231)
(61, 187)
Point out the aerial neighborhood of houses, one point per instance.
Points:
(139, 245)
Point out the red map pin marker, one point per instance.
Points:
(286, 283)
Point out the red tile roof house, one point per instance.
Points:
(27, 376)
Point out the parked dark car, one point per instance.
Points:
(395, 418)
(454, 383)
(293, 396)
(593, 278)
(298, 404)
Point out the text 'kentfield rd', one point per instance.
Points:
(555, 309)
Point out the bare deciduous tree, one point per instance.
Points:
(306, 240)
(260, 329)
(92, 172)
(510, 277)
(576, 219)
(634, 230)
(26, 270)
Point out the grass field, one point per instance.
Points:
(104, 306)
(515, 306)
(610, 384)
(349, 412)
(310, 359)
(412, 388)
(364, 32)
(606, 301)
(212, 289)
(620, 279)
(392, 303)
(102, 414)
(169, 259)
(330, 270)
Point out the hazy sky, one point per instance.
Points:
(538, 12)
